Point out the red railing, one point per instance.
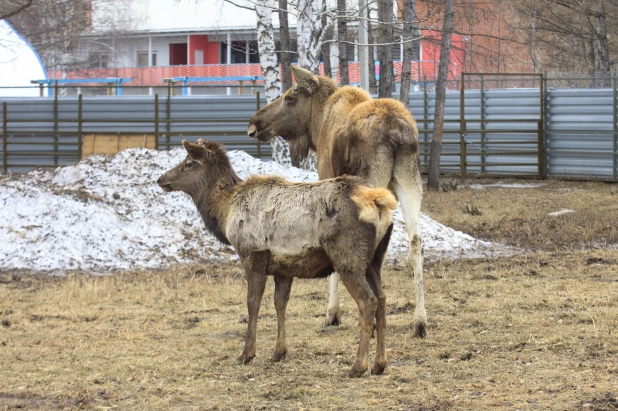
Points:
(153, 76)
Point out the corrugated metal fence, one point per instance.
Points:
(504, 133)
(48, 131)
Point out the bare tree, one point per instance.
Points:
(371, 35)
(438, 121)
(12, 8)
(344, 77)
(385, 51)
(54, 29)
(326, 45)
(568, 36)
(284, 41)
(406, 60)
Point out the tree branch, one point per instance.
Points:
(17, 10)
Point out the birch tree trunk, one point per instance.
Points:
(371, 36)
(309, 33)
(344, 78)
(385, 50)
(284, 40)
(328, 72)
(406, 60)
(433, 182)
(309, 36)
(270, 70)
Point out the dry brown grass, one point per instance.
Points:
(529, 332)
(519, 216)
(538, 331)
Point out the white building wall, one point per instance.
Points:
(123, 51)
(156, 15)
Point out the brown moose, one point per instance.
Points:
(288, 230)
(353, 134)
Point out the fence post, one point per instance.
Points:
(425, 115)
(615, 126)
(462, 130)
(257, 108)
(156, 121)
(168, 123)
(541, 150)
(5, 165)
(56, 123)
(544, 124)
(482, 126)
(79, 126)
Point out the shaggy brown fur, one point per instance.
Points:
(289, 230)
(356, 135)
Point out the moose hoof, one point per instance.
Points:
(420, 329)
(243, 360)
(356, 372)
(278, 356)
(332, 320)
(378, 369)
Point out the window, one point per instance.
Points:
(239, 52)
(416, 50)
(98, 60)
(397, 49)
(142, 59)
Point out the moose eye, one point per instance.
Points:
(289, 100)
(188, 165)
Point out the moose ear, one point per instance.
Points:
(196, 151)
(305, 79)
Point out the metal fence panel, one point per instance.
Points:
(43, 131)
(580, 137)
(580, 128)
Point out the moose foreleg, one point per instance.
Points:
(255, 270)
(283, 286)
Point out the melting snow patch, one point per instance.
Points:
(107, 213)
(561, 212)
(505, 185)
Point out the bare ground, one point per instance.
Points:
(535, 331)
(490, 210)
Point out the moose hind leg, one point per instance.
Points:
(374, 278)
(409, 193)
(283, 286)
(359, 289)
(333, 317)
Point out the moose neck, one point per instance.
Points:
(213, 200)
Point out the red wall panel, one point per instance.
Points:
(210, 49)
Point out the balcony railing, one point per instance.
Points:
(154, 76)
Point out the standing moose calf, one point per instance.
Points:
(288, 230)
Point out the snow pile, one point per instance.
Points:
(107, 213)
